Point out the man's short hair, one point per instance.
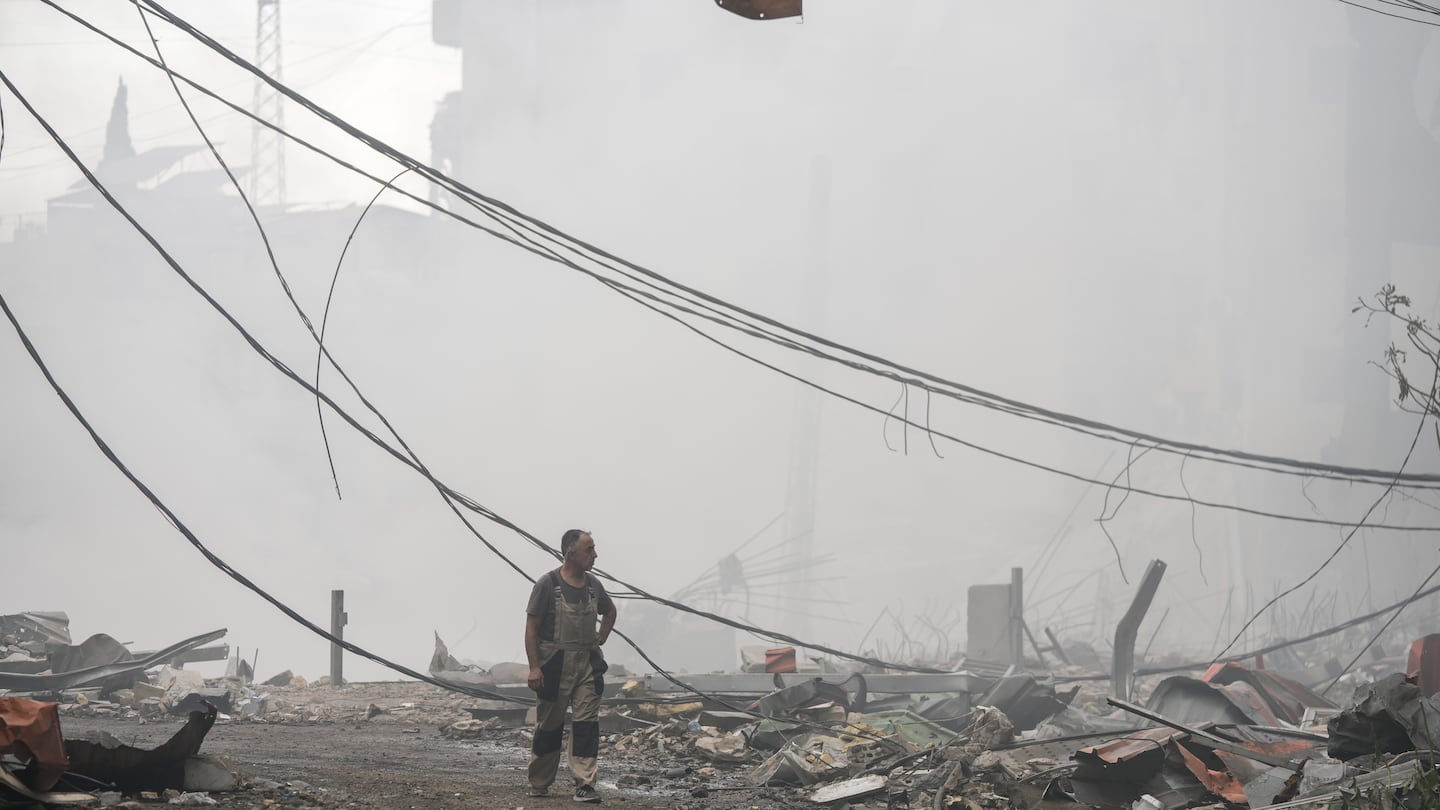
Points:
(570, 539)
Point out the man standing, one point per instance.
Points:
(562, 646)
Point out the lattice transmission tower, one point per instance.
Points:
(267, 147)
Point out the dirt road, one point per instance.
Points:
(398, 762)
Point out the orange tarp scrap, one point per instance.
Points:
(30, 730)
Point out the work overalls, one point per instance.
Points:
(573, 671)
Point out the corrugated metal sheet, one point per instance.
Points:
(1132, 745)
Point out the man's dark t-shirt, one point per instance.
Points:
(542, 600)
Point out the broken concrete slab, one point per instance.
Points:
(726, 748)
(207, 774)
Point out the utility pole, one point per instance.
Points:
(805, 425)
(267, 147)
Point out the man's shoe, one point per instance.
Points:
(537, 791)
(587, 794)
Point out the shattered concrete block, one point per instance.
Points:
(181, 681)
(856, 788)
(663, 711)
(1001, 761)
(210, 775)
(727, 748)
(990, 729)
(143, 689)
(634, 688)
(253, 708)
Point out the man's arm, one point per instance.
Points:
(532, 651)
(607, 623)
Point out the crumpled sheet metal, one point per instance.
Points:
(95, 651)
(805, 760)
(37, 626)
(1285, 698)
(762, 9)
(1117, 772)
(1026, 700)
(1388, 716)
(134, 769)
(8, 781)
(1220, 783)
(786, 698)
(1190, 700)
(79, 678)
(30, 731)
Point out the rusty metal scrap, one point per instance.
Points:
(1188, 700)
(1132, 746)
(1220, 783)
(1285, 698)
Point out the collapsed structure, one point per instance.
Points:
(1250, 731)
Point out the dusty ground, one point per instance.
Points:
(400, 759)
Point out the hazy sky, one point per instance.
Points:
(1129, 210)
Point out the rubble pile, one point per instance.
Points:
(1234, 736)
(973, 735)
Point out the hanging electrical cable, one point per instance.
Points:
(452, 496)
(209, 555)
(783, 334)
(663, 292)
(1412, 480)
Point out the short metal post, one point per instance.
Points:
(338, 620)
(1017, 616)
(1122, 670)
